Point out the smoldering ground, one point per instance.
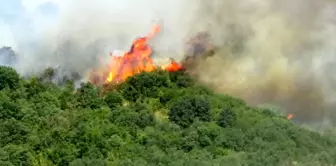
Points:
(278, 52)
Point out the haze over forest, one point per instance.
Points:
(273, 59)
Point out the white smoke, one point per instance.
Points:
(84, 30)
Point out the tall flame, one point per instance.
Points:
(136, 60)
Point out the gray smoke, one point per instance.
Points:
(278, 52)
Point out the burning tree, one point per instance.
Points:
(136, 60)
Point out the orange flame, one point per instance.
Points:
(136, 60)
(173, 66)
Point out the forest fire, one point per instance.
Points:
(137, 59)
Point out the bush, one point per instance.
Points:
(8, 78)
(48, 74)
(227, 118)
(181, 79)
(185, 110)
(88, 96)
(202, 109)
(113, 99)
(15, 155)
(128, 117)
(145, 118)
(8, 108)
(144, 85)
(34, 86)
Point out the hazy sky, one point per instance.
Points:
(23, 21)
(18, 19)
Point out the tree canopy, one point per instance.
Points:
(155, 118)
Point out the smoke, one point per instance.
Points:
(80, 33)
(277, 52)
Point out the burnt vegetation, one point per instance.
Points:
(156, 118)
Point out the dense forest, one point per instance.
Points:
(156, 118)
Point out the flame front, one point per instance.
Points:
(173, 66)
(136, 60)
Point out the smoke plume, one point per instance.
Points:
(83, 32)
(277, 52)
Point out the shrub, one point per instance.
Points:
(8, 78)
(227, 118)
(88, 96)
(113, 99)
(48, 74)
(185, 110)
(144, 85)
(8, 108)
(181, 79)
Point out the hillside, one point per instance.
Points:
(156, 118)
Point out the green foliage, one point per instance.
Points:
(227, 118)
(15, 155)
(113, 99)
(184, 111)
(88, 96)
(181, 79)
(8, 108)
(155, 118)
(8, 78)
(48, 74)
(34, 86)
(144, 85)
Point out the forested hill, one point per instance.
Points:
(156, 118)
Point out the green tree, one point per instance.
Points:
(13, 131)
(34, 86)
(16, 155)
(113, 99)
(227, 118)
(8, 78)
(8, 108)
(88, 96)
(202, 108)
(155, 118)
(67, 97)
(145, 118)
(88, 161)
(184, 111)
(48, 74)
(181, 79)
(144, 85)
